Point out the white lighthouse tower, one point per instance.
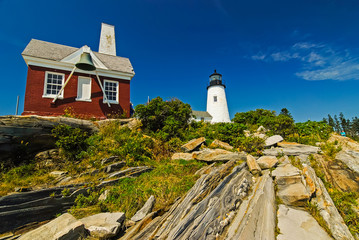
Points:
(216, 99)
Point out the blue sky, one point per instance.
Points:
(301, 55)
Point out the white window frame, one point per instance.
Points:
(117, 91)
(46, 95)
(78, 89)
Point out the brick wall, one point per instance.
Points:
(35, 104)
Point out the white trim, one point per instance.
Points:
(45, 95)
(79, 78)
(117, 91)
(69, 66)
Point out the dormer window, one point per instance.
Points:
(214, 98)
(53, 84)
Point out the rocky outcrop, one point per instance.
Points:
(146, 209)
(327, 209)
(255, 218)
(23, 136)
(273, 140)
(291, 189)
(350, 158)
(253, 165)
(61, 228)
(217, 155)
(297, 224)
(193, 145)
(291, 150)
(338, 173)
(266, 162)
(114, 167)
(104, 225)
(19, 209)
(206, 209)
(132, 171)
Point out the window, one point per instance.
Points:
(83, 89)
(215, 98)
(111, 90)
(53, 84)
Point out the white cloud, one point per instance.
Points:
(348, 70)
(259, 56)
(319, 61)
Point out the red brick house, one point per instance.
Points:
(99, 93)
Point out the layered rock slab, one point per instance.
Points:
(205, 210)
(327, 209)
(193, 144)
(65, 227)
(291, 150)
(297, 224)
(290, 183)
(217, 155)
(256, 217)
(104, 225)
(146, 209)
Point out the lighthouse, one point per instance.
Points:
(216, 99)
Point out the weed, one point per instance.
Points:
(313, 209)
(331, 149)
(65, 192)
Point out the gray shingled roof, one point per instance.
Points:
(200, 114)
(57, 52)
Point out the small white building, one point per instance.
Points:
(216, 99)
(201, 116)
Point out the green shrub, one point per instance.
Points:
(251, 145)
(131, 146)
(310, 132)
(166, 118)
(71, 140)
(282, 124)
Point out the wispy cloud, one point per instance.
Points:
(319, 61)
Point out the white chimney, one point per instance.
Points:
(107, 40)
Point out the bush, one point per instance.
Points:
(166, 118)
(311, 132)
(131, 146)
(282, 124)
(71, 140)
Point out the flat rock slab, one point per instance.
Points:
(104, 225)
(146, 209)
(349, 158)
(114, 167)
(286, 174)
(293, 194)
(130, 171)
(61, 228)
(217, 155)
(193, 144)
(273, 140)
(184, 156)
(291, 150)
(256, 216)
(216, 143)
(266, 162)
(296, 224)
